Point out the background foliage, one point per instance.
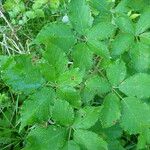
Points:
(75, 75)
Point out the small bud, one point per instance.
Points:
(65, 19)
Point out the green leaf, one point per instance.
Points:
(70, 94)
(116, 72)
(102, 6)
(57, 61)
(112, 133)
(56, 34)
(62, 112)
(145, 38)
(144, 22)
(139, 5)
(144, 139)
(95, 85)
(71, 145)
(89, 140)
(115, 145)
(122, 7)
(50, 138)
(82, 57)
(121, 43)
(99, 48)
(140, 57)
(125, 24)
(22, 76)
(110, 112)
(87, 95)
(38, 107)
(136, 85)
(38, 4)
(80, 16)
(101, 31)
(72, 77)
(102, 17)
(132, 119)
(6, 62)
(86, 117)
(48, 71)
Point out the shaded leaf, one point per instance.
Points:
(95, 85)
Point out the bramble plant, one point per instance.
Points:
(75, 75)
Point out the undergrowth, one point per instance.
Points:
(75, 74)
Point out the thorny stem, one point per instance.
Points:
(117, 93)
(70, 129)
